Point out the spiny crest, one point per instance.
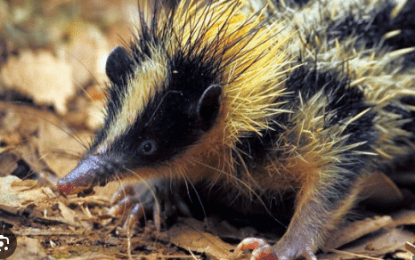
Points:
(243, 51)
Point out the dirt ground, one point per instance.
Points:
(52, 82)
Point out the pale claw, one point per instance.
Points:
(309, 254)
(263, 250)
(156, 197)
(249, 243)
(259, 246)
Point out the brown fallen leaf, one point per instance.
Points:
(405, 217)
(61, 147)
(88, 50)
(68, 215)
(189, 235)
(386, 241)
(16, 194)
(403, 255)
(341, 255)
(41, 75)
(356, 230)
(40, 139)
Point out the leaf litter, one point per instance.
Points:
(51, 97)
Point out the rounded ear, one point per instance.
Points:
(208, 106)
(118, 65)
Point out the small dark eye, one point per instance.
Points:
(148, 147)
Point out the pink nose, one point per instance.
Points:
(80, 178)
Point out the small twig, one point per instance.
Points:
(143, 256)
(353, 254)
(130, 257)
(46, 233)
(192, 254)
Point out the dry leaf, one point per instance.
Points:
(376, 245)
(68, 215)
(16, 194)
(89, 51)
(406, 217)
(40, 75)
(356, 230)
(189, 235)
(61, 147)
(33, 134)
(386, 242)
(403, 255)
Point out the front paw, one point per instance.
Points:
(281, 251)
(160, 199)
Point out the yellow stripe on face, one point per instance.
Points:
(149, 78)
